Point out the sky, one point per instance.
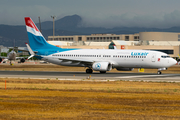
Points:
(95, 13)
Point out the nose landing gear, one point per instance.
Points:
(160, 69)
(159, 72)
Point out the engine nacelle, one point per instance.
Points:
(101, 66)
(22, 60)
(125, 69)
(1, 60)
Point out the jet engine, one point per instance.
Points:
(0, 60)
(125, 69)
(22, 60)
(102, 66)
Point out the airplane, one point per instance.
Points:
(11, 56)
(101, 60)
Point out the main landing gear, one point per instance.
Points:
(102, 71)
(89, 70)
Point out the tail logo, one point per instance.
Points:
(33, 26)
(30, 23)
(98, 66)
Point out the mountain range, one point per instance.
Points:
(68, 25)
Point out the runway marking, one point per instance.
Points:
(170, 78)
(140, 76)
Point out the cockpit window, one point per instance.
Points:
(165, 56)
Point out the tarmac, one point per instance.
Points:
(95, 76)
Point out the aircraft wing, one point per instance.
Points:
(3, 57)
(4, 60)
(76, 60)
(19, 58)
(27, 51)
(22, 50)
(82, 61)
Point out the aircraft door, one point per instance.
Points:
(153, 59)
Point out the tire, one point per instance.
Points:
(159, 72)
(89, 71)
(102, 71)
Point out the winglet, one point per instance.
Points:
(115, 47)
(30, 50)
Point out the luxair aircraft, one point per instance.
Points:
(101, 60)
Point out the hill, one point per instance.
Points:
(68, 25)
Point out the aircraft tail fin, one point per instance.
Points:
(36, 39)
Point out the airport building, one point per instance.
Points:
(95, 38)
(144, 36)
(167, 42)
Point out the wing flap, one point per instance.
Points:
(75, 60)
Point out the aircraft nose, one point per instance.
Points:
(173, 61)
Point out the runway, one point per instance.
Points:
(94, 76)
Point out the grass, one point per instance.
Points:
(53, 99)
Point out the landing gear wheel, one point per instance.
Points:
(159, 72)
(102, 71)
(89, 71)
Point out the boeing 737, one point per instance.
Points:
(101, 60)
(11, 56)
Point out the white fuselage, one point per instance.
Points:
(11, 55)
(118, 58)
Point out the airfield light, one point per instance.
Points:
(53, 17)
